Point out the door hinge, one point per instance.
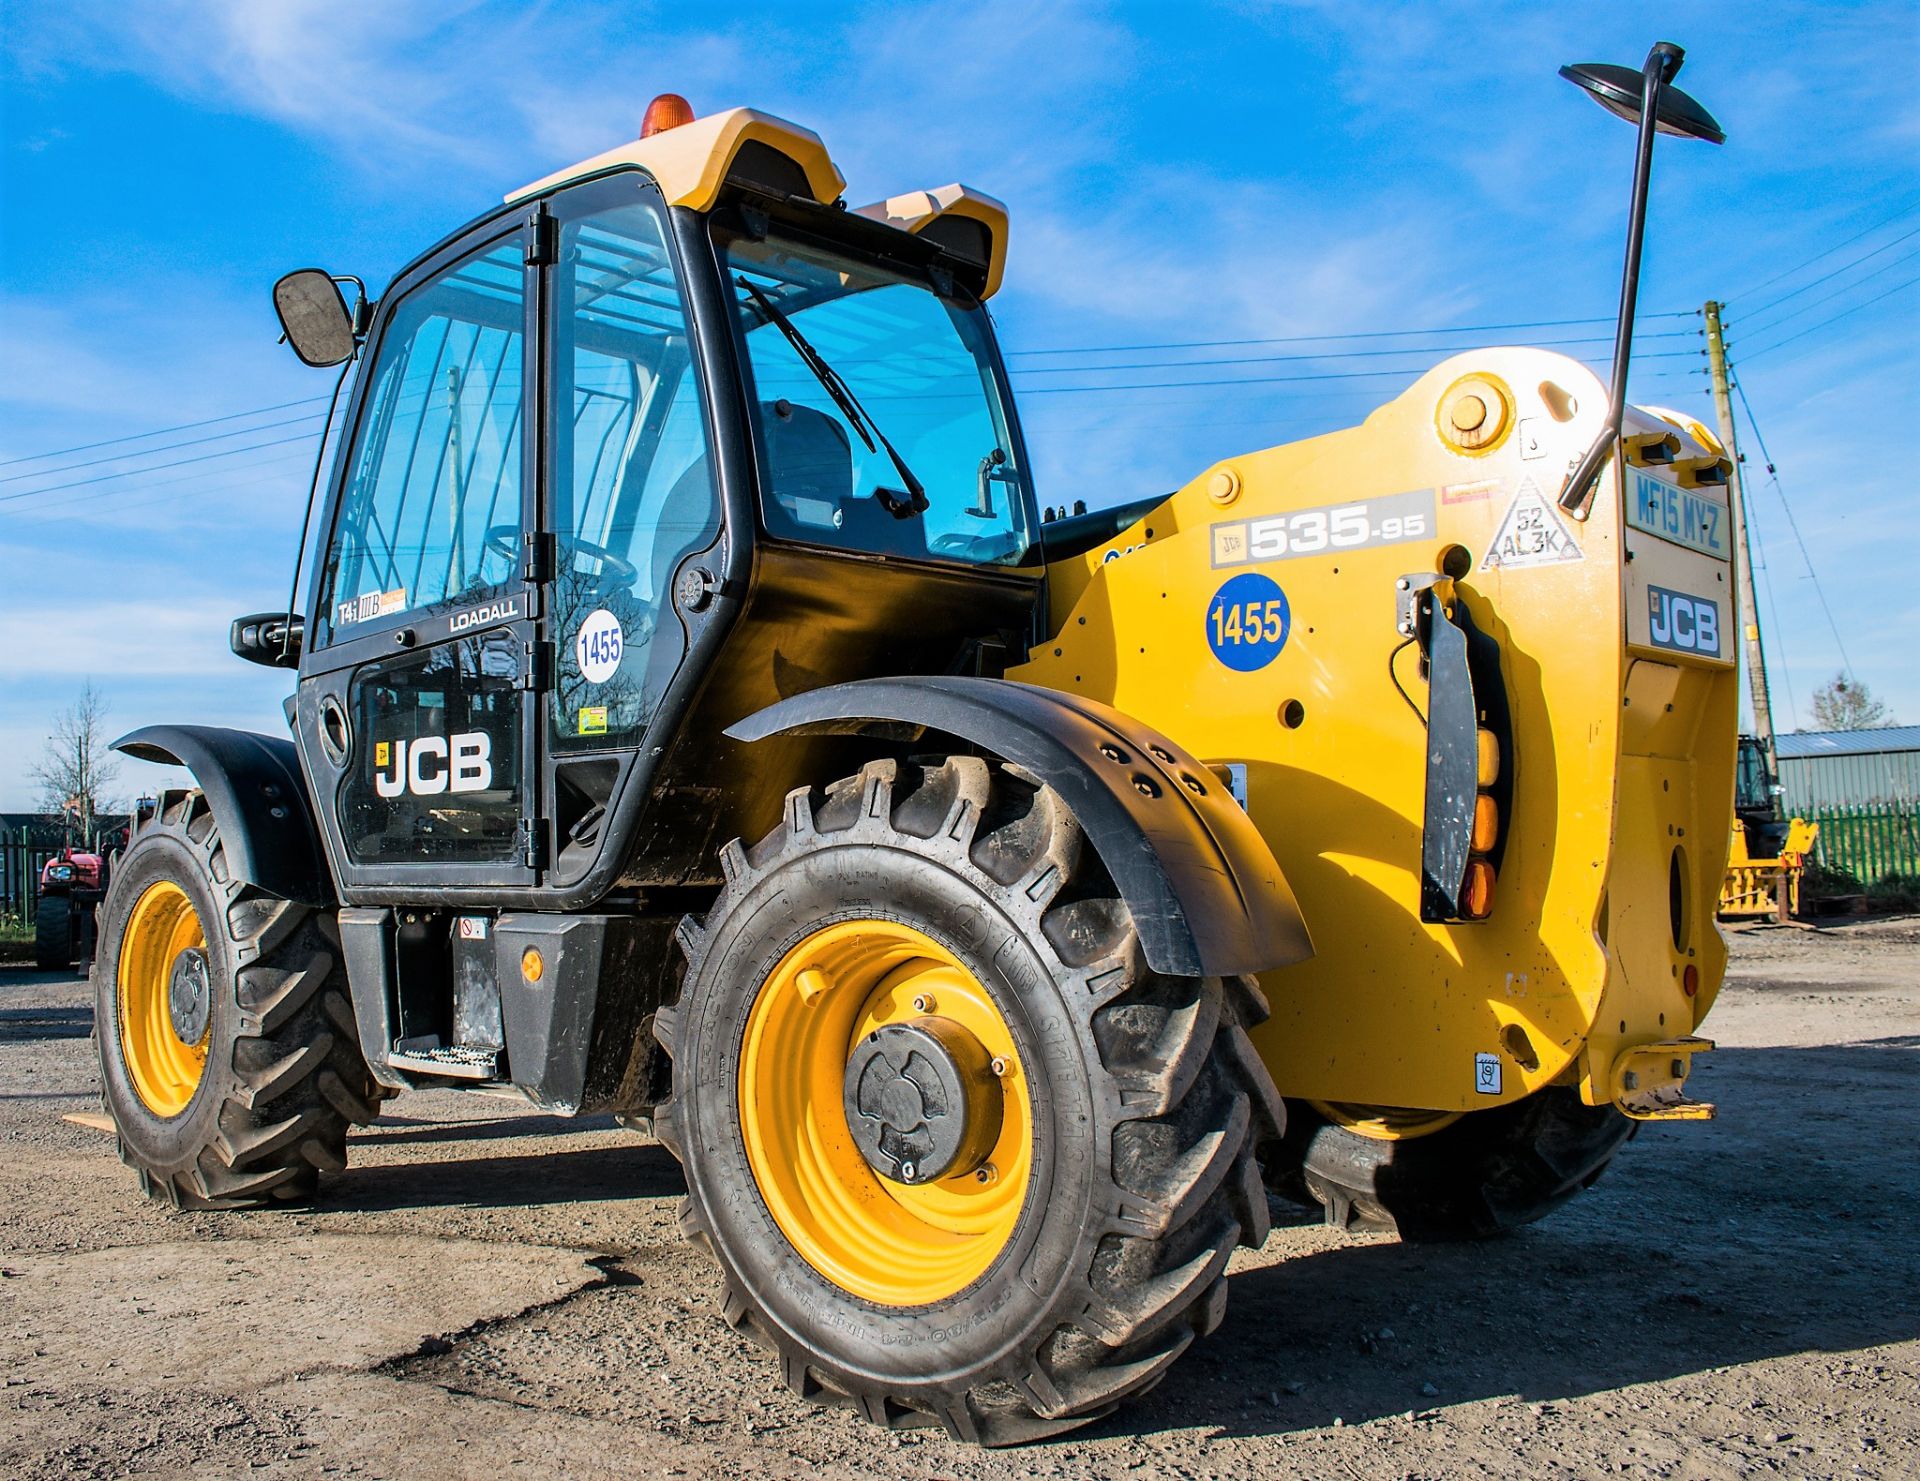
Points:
(533, 843)
(543, 237)
(537, 556)
(536, 666)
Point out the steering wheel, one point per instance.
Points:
(612, 572)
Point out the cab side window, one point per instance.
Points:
(431, 511)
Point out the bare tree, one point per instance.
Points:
(76, 767)
(1847, 704)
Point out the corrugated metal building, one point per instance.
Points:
(1822, 769)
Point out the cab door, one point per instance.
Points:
(422, 668)
(630, 509)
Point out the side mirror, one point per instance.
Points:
(271, 639)
(314, 315)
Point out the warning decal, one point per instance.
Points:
(1531, 533)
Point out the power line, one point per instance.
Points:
(1793, 524)
(1841, 292)
(165, 447)
(1301, 339)
(67, 509)
(1338, 355)
(154, 468)
(87, 447)
(1244, 380)
(1834, 319)
(1846, 267)
(1762, 569)
(1899, 215)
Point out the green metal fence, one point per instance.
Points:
(1870, 840)
(23, 851)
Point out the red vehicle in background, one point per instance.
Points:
(72, 883)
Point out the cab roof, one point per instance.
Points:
(693, 162)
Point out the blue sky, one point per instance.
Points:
(1175, 174)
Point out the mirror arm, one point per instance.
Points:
(362, 314)
(1662, 64)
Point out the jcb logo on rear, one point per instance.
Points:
(433, 764)
(1686, 624)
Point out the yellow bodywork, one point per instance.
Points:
(690, 163)
(1766, 887)
(1622, 755)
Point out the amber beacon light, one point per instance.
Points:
(668, 111)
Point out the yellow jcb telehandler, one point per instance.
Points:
(694, 719)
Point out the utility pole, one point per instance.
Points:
(1749, 607)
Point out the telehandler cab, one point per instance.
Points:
(695, 720)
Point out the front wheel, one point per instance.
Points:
(228, 1055)
(1429, 1175)
(962, 1156)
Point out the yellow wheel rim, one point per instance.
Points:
(891, 1243)
(1385, 1123)
(165, 1070)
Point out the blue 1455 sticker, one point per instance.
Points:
(1248, 621)
(599, 646)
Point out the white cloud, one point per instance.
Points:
(106, 637)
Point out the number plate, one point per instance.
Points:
(1356, 525)
(1694, 520)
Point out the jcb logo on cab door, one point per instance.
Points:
(1683, 623)
(433, 764)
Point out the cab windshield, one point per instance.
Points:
(915, 369)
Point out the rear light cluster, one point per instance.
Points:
(1476, 894)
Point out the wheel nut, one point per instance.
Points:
(907, 1171)
(986, 1173)
(1001, 1066)
(923, 1002)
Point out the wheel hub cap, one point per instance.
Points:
(189, 996)
(921, 1099)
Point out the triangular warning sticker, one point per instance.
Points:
(1531, 533)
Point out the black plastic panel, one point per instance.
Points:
(252, 783)
(1205, 891)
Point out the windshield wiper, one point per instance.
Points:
(899, 505)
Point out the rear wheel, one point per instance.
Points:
(228, 1054)
(962, 1156)
(53, 934)
(1439, 1175)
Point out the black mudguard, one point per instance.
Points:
(1205, 891)
(253, 784)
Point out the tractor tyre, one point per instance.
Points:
(1432, 1177)
(53, 933)
(229, 1060)
(962, 1157)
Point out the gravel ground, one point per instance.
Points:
(490, 1289)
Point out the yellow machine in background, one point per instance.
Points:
(1767, 853)
(1768, 886)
